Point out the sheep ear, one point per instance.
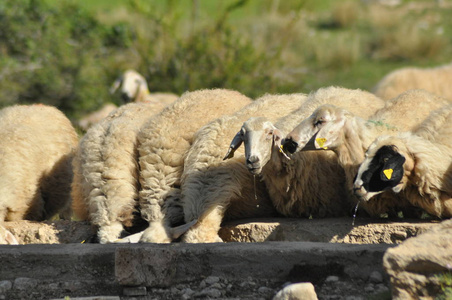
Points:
(393, 169)
(235, 144)
(176, 232)
(115, 85)
(277, 137)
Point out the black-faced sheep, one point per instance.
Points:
(214, 189)
(418, 166)
(435, 80)
(163, 143)
(308, 183)
(105, 185)
(337, 129)
(38, 144)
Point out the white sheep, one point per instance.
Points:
(336, 129)
(308, 183)
(105, 185)
(214, 189)
(416, 165)
(133, 88)
(163, 143)
(435, 80)
(38, 143)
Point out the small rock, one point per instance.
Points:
(375, 277)
(369, 288)
(212, 279)
(187, 293)
(297, 291)
(399, 235)
(264, 290)
(217, 286)
(331, 279)
(134, 291)
(23, 283)
(209, 292)
(5, 285)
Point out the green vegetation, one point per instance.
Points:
(67, 53)
(445, 282)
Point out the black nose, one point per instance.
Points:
(252, 159)
(290, 145)
(125, 98)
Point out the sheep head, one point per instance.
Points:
(386, 166)
(259, 136)
(320, 131)
(132, 85)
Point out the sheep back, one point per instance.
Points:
(105, 186)
(358, 102)
(409, 109)
(435, 80)
(164, 140)
(38, 143)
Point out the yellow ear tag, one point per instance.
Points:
(388, 173)
(281, 150)
(321, 142)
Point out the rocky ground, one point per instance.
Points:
(331, 280)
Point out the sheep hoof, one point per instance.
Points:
(156, 233)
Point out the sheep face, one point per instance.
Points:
(131, 84)
(259, 136)
(322, 130)
(382, 169)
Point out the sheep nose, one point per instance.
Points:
(125, 97)
(252, 159)
(290, 145)
(358, 190)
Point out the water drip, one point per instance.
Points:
(255, 192)
(354, 214)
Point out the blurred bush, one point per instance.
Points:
(67, 55)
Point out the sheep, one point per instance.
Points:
(38, 143)
(213, 189)
(163, 143)
(415, 164)
(133, 87)
(435, 80)
(105, 186)
(309, 183)
(336, 129)
(95, 117)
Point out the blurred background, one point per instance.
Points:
(68, 53)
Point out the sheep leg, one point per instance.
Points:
(206, 230)
(109, 233)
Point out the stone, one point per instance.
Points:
(5, 285)
(134, 291)
(212, 279)
(297, 291)
(331, 279)
(24, 284)
(375, 277)
(417, 265)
